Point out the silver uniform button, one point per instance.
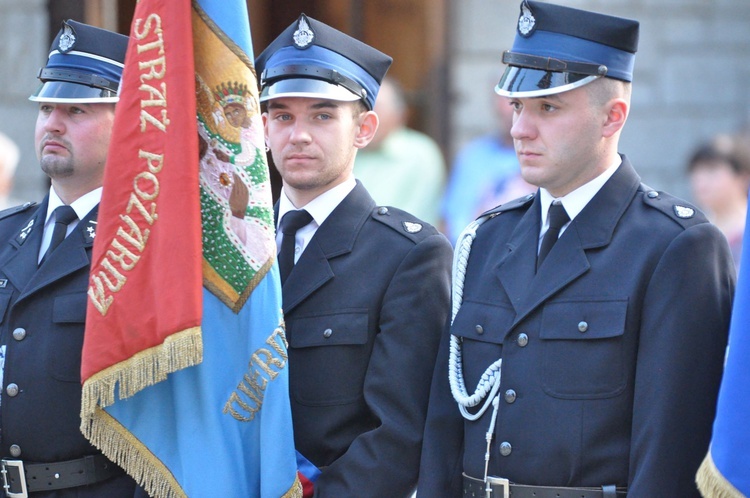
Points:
(15, 450)
(510, 396)
(327, 333)
(479, 329)
(19, 334)
(382, 210)
(505, 448)
(583, 326)
(12, 389)
(522, 340)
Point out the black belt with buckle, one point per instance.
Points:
(502, 488)
(20, 479)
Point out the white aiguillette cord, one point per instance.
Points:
(489, 384)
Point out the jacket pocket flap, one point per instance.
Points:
(584, 320)
(70, 308)
(334, 329)
(482, 322)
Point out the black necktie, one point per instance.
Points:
(557, 218)
(290, 223)
(64, 215)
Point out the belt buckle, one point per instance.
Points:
(18, 465)
(502, 482)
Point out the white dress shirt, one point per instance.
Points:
(319, 208)
(575, 201)
(82, 206)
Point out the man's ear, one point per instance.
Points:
(368, 125)
(264, 117)
(616, 116)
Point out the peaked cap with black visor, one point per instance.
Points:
(312, 59)
(84, 66)
(558, 48)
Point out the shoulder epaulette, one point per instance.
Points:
(403, 223)
(510, 205)
(16, 209)
(673, 207)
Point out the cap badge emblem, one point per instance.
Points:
(412, 227)
(303, 36)
(67, 38)
(526, 21)
(684, 212)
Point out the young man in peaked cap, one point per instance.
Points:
(585, 351)
(45, 255)
(365, 287)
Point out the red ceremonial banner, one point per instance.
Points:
(150, 206)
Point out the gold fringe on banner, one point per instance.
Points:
(146, 368)
(711, 482)
(120, 446)
(295, 491)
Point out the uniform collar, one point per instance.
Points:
(575, 201)
(320, 207)
(82, 206)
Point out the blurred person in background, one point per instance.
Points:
(485, 173)
(401, 167)
(719, 173)
(9, 156)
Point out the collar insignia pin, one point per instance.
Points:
(90, 231)
(25, 231)
(304, 35)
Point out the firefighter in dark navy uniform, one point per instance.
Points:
(589, 324)
(45, 254)
(368, 296)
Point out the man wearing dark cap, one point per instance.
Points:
(365, 287)
(45, 255)
(589, 320)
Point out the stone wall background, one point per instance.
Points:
(691, 79)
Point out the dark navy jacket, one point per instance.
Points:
(42, 313)
(364, 309)
(612, 352)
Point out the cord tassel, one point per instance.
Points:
(488, 436)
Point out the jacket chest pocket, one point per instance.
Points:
(68, 317)
(583, 351)
(328, 357)
(482, 328)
